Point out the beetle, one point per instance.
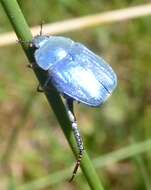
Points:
(77, 73)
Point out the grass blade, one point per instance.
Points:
(21, 28)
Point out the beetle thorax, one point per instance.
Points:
(51, 50)
(39, 40)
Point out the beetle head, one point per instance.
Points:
(38, 41)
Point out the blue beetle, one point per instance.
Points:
(77, 73)
(74, 70)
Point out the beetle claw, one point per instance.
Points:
(39, 89)
(30, 66)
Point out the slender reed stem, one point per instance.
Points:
(21, 28)
(12, 141)
(85, 22)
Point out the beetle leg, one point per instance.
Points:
(39, 88)
(30, 66)
(76, 135)
(44, 87)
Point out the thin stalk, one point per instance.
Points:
(21, 28)
(141, 166)
(89, 21)
(12, 141)
(143, 173)
(111, 158)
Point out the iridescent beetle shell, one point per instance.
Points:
(74, 70)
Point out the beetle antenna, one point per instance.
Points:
(41, 27)
(20, 41)
(69, 104)
(29, 43)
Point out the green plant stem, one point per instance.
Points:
(21, 28)
(16, 130)
(132, 150)
(141, 167)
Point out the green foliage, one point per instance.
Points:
(41, 148)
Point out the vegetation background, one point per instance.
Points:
(37, 148)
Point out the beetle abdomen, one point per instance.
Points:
(83, 76)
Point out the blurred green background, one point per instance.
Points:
(32, 146)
